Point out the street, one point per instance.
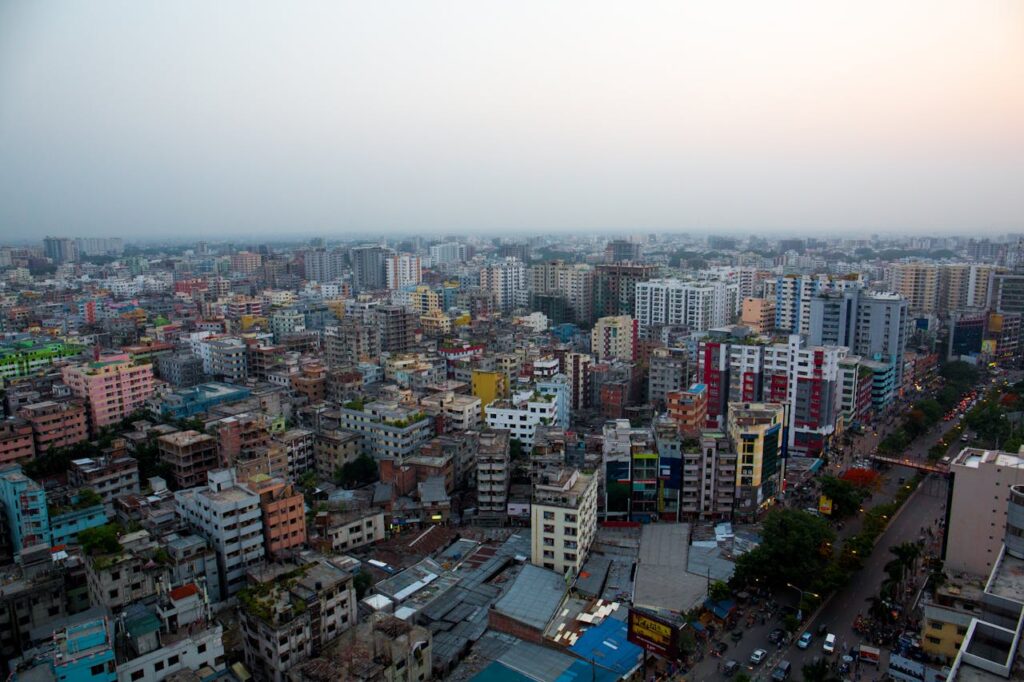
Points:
(921, 511)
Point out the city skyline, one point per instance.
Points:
(395, 118)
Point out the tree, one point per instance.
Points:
(846, 497)
(360, 471)
(959, 373)
(818, 671)
(87, 497)
(790, 551)
(100, 539)
(719, 591)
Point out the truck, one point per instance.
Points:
(869, 654)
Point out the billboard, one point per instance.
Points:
(825, 505)
(653, 634)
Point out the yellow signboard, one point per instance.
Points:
(825, 505)
(651, 633)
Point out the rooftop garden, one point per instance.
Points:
(260, 600)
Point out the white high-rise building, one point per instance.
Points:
(447, 253)
(697, 305)
(402, 270)
(229, 517)
(507, 280)
(563, 519)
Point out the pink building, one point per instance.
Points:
(111, 386)
(16, 441)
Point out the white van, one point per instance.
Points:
(829, 645)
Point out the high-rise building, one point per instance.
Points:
(60, 249)
(874, 325)
(614, 337)
(759, 315)
(563, 519)
(368, 267)
(493, 474)
(189, 455)
(668, 371)
(396, 326)
(615, 287)
(620, 250)
(112, 387)
(507, 281)
(793, 294)
(245, 262)
(228, 516)
(756, 431)
(402, 270)
(975, 522)
(350, 342)
(323, 265)
(918, 283)
(447, 253)
(697, 305)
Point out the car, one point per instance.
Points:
(736, 635)
(805, 640)
(781, 671)
(829, 645)
(757, 658)
(730, 667)
(776, 635)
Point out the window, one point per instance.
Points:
(173, 660)
(96, 670)
(158, 666)
(138, 675)
(201, 648)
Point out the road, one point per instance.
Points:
(922, 510)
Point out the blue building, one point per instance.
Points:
(558, 388)
(82, 652)
(188, 402)
(66, 525)
(24, 504)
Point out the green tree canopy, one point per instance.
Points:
(795, 547)
(846, 497)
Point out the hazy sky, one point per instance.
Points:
(202, 117)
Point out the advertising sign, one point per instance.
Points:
(653, 634)
(825, 505)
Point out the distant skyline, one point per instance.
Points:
(257, 120)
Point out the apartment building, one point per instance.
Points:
(668, 371)
(614, 338)
(698, 306)
(387, 429)
(112, 387)
(55, 424)
(180, 370)
(547, 403)
(460, 412)
(689, 409)
(25, 509)
(16, 441)
(283, 509)
(507, 281)
(756, 431)
(396, 326)
(759, 315)
(976, 514)
(189, 455)
(230, 518)
(493, 475)
(563, 519)
(402, 270)
(110, 476)
(918, 283)
(298, 443)
(342, 531)
(615, 287)
(350, 342)
(288, 618)
(333, 449)
(125, 576)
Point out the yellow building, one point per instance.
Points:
(436, 324)
(425, 300)
(756, 429)
(489, 386)
(947, 615)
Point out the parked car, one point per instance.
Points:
(731, 667)
(736, 635)
(782, 671)
(805, 640)
(757, 658)
(829, 645)
(776, 635)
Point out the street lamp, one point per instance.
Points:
(799, 609)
